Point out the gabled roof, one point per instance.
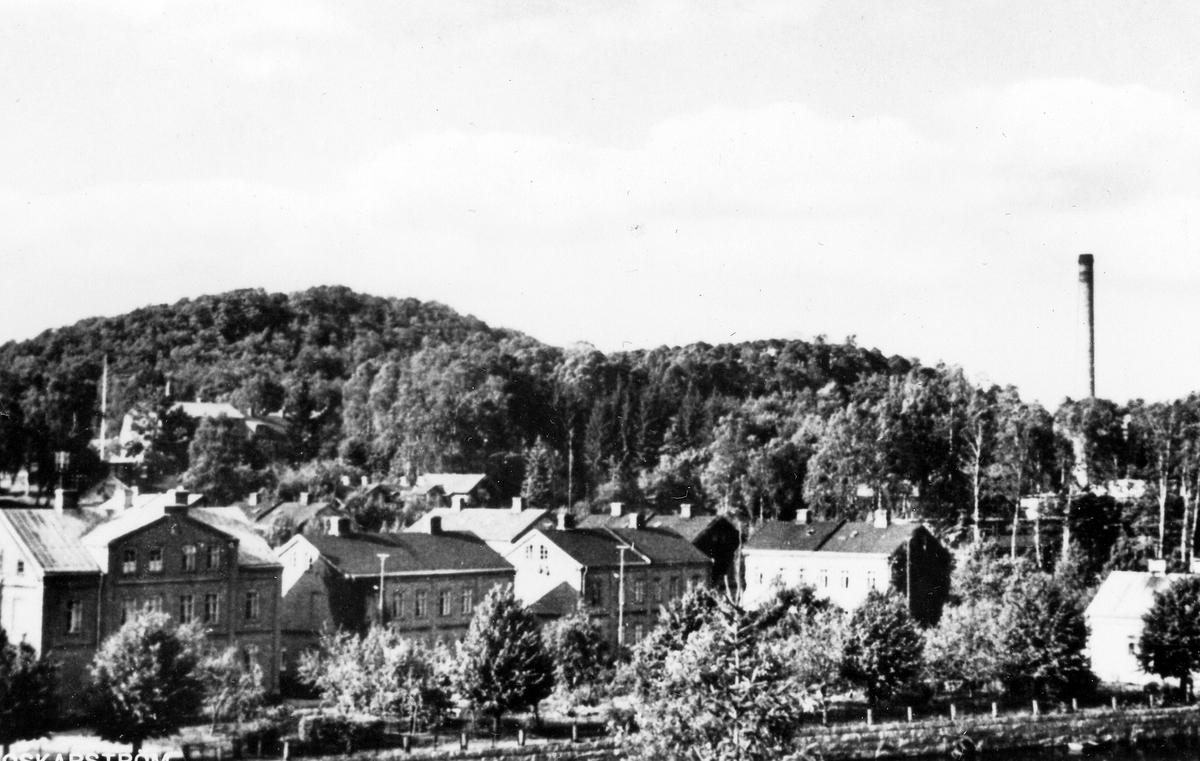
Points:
(690, 529)
(865, 538)
(44, 535)
(561, 601)
(296, 512)
(448, 483)
(253, 549)
(357, 554)
(788, 535)
(599, 547)
(491, 524)
(1129, 594)
(116, 503)
(208, 409)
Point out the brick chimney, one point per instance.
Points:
(364, 481)
(129, 493)
(252, 499)
(65, 499)
(685, 511)
(566, 521)
(616, 509)
(518, 504)
(882, 518)
(177, 502)
(435, 525)
(457, 502)
(802, 516)
(635, 520)
(345, 480)
(337, 525)
(304, 498)
(1156, 566)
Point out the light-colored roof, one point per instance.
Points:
(449, 483)
(116, 503)
(46, 538)
(208, 409)
(1128, 594)
(253, 549)
(491, 524)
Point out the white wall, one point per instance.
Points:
(20, 594)
(536, 575)
(844, 578)
(1113, 659)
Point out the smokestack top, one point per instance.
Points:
(1086, 259)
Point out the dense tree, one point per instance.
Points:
(503, 664)
(726, 693)
(219, 462)
(966, 645)
(28, 702)
(382, 672)
(580, 652)
(146, 680)
(1170, 642)
(882, 650)
(1044, 637)
(233, 688)
(539, 487)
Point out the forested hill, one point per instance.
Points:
(394, 387)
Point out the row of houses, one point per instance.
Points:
(69, 578)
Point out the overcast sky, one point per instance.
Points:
(922, 176)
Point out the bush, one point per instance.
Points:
(337, 732)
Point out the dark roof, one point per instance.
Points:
(297, 512)
(690, 529)
(866, 538)
(561, 601)
(598, 547)
(787, 535)
(357, 554)
(50, 542)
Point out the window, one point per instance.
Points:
(543, 553)
(694, 582)
(529, 552)
(129, 560)
(674, 587)
(468, 601)
(187, 608)
(154, 604)
(74, 616)
(128, 610)
(824, 578)
(639, 590)
(845, 579)
(444, 603)
(252, 605)
(595, 591)
(214, 556)
(397, 605)
(155, 562)
(212, 608)
(419, 604)
(639, 632)
(20, 567)
(656, 590)
(871, 580)
(189, 557)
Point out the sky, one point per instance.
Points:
(922, 176)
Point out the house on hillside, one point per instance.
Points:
(624, 575)
(714, 535)
(445, 488)
(843, 561)
(202, 564)
(301, 516)
(131, 498)
(1114, 619)
(431, 583)
(500, 527)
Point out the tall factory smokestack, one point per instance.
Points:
(1087, 320)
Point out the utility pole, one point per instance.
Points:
(383, 556)
(621, 599)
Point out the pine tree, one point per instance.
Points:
(503, 664)
(538, 488)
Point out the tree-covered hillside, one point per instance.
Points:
(392, 388)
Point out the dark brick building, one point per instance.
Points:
(431, 584)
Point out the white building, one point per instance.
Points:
(1115, 623)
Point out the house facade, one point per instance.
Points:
(844, 561)
(623, 575)
(203, 565)
(50, 592)
(1114, 618)
(431, 584)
